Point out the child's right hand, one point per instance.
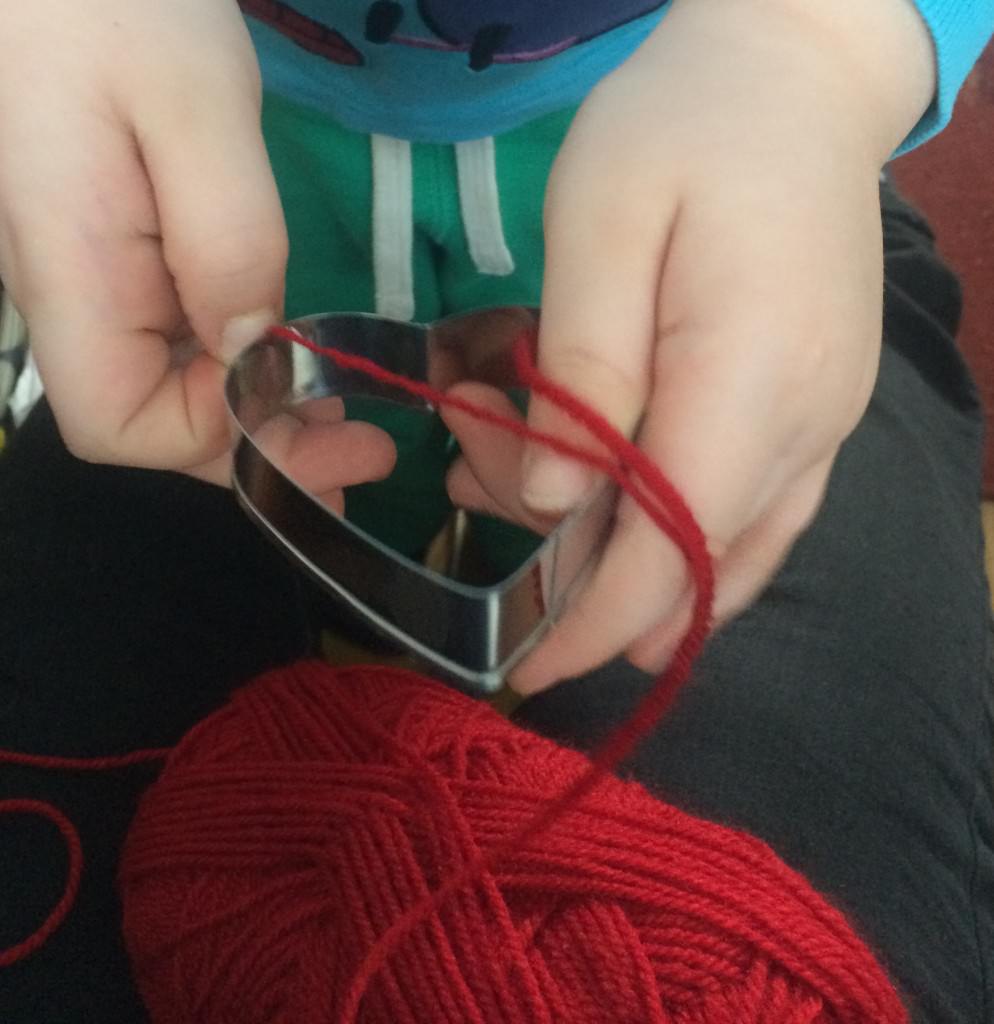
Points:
(137, 211)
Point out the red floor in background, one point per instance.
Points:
(952, 180)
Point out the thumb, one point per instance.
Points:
(598, 317)
(223, 232)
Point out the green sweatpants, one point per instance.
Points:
(325, 178)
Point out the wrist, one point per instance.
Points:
(877, 57)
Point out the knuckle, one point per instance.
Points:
(596, 378)
(800, 509)
(87, 447)
(90, 434)
(233, 250)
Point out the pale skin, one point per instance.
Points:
(713, 274)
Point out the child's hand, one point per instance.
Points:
(714, 284)
(137, 210)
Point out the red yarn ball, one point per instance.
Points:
(291, 828)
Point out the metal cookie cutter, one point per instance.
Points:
(471, 634)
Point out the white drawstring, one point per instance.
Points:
(393, 227)
(393, 218)
(479, 201)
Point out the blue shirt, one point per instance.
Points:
(449, 70)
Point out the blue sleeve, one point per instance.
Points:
(960, 30)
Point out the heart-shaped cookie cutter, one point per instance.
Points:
(471, 634)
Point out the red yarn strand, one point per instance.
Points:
(671, 515)
(668, 511)
(38, 808)
(46, 762)
(663, 504)
(57, 915)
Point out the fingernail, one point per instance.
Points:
(241, 331)
(552, 483)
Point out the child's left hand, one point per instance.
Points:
(714, 287)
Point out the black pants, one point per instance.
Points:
(846, 719)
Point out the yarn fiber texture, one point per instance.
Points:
(289, 830)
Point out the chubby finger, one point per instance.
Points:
(223, 232)
(761, 550)
(638, 582)
(324, 457)
(745, 570)
(487, 478)
(604, 251)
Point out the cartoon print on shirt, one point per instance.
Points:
(488, 31)
(523, 30)
(307, 33)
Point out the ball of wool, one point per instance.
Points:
(291, 828)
